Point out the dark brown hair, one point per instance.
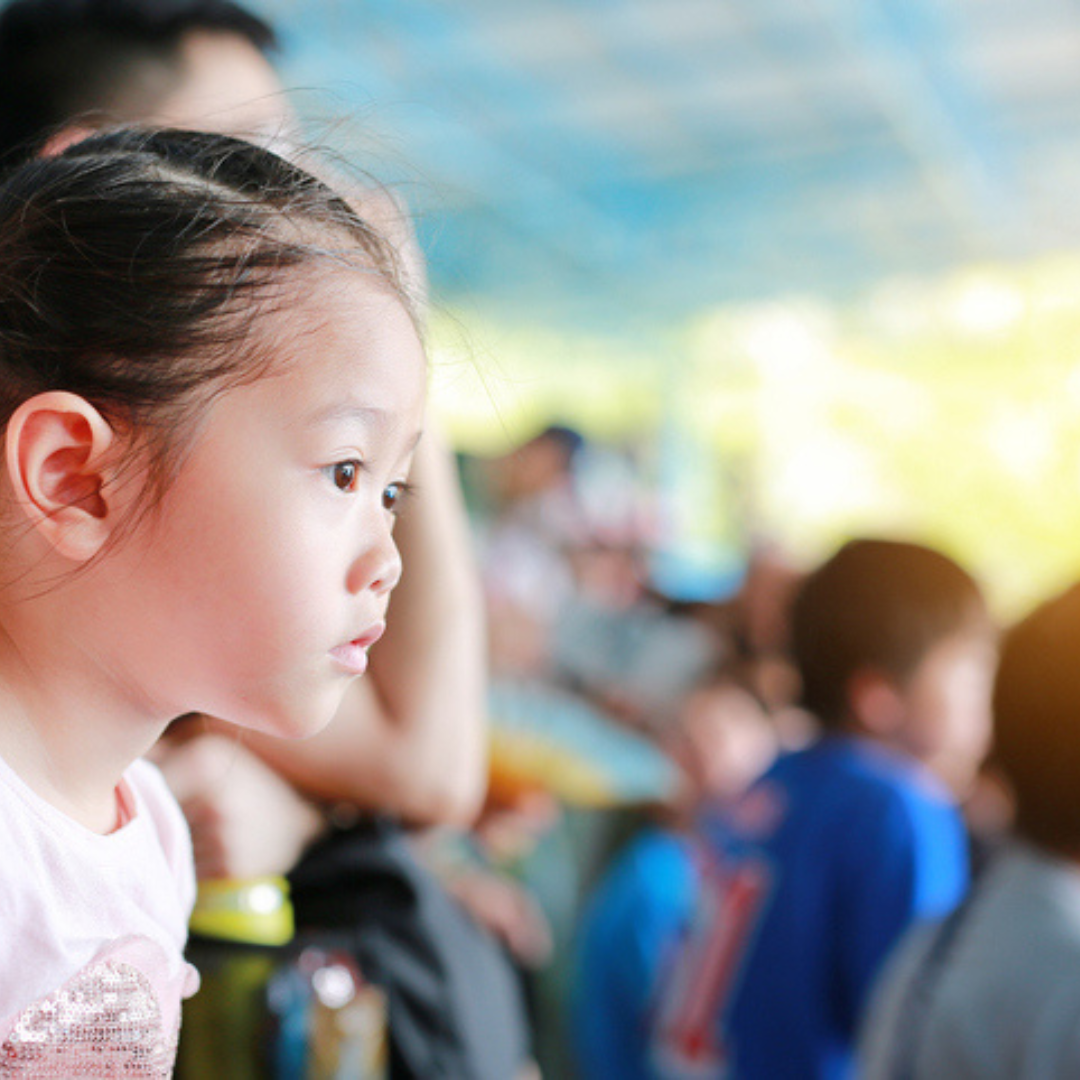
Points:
(880, 604)
(132, 268)
(1037, 722)
(65, 58)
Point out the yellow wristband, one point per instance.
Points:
(256, 910)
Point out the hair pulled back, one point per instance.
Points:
(133, 265)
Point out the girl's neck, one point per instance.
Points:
(69, 777)
(66, 737)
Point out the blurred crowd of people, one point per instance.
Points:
(864, 863)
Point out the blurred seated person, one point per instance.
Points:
(528, 511)
(993, 991)
(756, 622)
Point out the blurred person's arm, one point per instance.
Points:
(901, 860)
(410, 738)
(506, 910)
(245, 820)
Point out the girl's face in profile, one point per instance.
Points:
(253, 592)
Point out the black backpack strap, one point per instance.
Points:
(454, 1000)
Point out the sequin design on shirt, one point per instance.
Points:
(105, 1022)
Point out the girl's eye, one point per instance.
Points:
(392, 495)
(345, 474)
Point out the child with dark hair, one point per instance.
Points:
(750, 949)
(993, 992)
(211, 391)
(410, 747)
(409, 742)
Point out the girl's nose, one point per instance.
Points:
(378, 569)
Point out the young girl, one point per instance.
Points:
(211, 388)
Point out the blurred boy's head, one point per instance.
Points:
(93, 62)
(893, 641)
(1037, 722)
(539, 464)
(723, 739)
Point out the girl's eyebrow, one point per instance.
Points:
(364, 415)
(349, 412)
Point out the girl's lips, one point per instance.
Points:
(352, 656)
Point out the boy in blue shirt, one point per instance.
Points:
(749, 949)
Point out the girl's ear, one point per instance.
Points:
(58, 462)
(875, 702)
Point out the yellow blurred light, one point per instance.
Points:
(784, 340)
(1021, 440)
(986, 306)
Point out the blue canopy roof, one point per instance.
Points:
(628, 162)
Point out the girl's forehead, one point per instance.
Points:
(346, 336)
(327, 289)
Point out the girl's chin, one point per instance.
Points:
(298, 725)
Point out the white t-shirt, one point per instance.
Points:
(92, 931)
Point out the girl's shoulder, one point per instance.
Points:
(150, 800)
